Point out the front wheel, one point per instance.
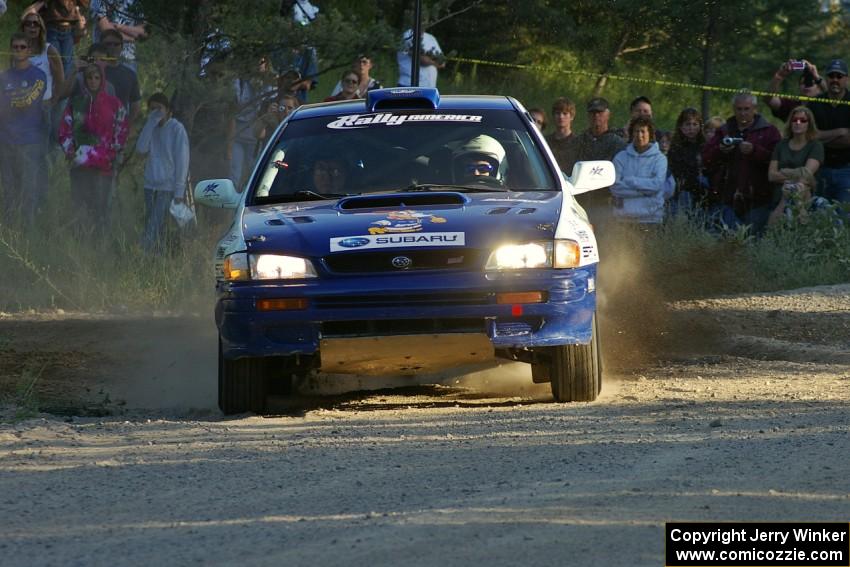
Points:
(242, 384)
(576, 370)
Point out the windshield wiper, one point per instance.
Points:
(482, 188)
(313, 195)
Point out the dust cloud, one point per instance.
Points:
(635, 325)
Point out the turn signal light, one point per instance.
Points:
(520, 297)
(281, 304)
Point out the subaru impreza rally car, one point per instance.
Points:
(407, 234)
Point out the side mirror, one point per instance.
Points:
(592, 175)
(217, 193)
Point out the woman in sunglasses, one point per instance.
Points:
(795, 161)
(43, 55)
(350, 81)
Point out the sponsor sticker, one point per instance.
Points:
(372, 241)
(403, 221)
(354, 121)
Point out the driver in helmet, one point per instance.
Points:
(482, 156)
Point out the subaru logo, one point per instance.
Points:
(402, 262)
(353, 242)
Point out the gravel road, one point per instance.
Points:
(740, 414)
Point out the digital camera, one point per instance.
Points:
(731, 141)
(797, 65)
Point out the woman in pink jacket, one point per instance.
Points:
(92, 132)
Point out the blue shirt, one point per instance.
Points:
(22, 120)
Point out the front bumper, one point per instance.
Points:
(407, 304)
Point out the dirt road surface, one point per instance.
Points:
(112, 452)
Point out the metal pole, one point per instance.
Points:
(417, 42)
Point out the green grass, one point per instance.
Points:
(62, 263)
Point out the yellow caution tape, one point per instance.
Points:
(661, 82)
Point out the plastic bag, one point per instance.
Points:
(183, 213)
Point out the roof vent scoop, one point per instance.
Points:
(403, 98)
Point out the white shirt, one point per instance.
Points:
(304, 12)
(427, 73)
(41, 61)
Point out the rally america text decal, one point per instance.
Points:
(388, 119)
(367, 241)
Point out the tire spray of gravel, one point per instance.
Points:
(631, 312)
(637, 327)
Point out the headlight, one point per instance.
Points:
(274, 267)
(520, 256)
(557, 254)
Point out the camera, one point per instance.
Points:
(731, 141)
(797, 65)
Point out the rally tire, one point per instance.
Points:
(576, 370)
(242, 384)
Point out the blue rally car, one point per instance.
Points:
(406, 234)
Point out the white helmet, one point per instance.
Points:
(484, 146)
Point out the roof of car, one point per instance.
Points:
(448, 102)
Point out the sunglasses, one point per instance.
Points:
(19, 47)
(799, 121)
(31, 24)
(480, 168)
(351, 81)
(835, 76)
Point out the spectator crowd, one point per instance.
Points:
(55, 100)
(741, 171)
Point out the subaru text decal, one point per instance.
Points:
(399, 240)
(388, 119)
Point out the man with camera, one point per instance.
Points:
(811, 85)
(738, 157)
(832, 117)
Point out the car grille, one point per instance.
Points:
(379, 327)
(401, 300)
(382, 261)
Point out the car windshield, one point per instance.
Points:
(338, 155)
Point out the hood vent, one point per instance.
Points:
(401, 200)
(303, 220)
(275, 222)
(526, 211)
(499, 211)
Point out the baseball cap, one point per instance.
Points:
(597, 104)
(836, 66)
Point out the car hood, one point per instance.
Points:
(477, 220)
